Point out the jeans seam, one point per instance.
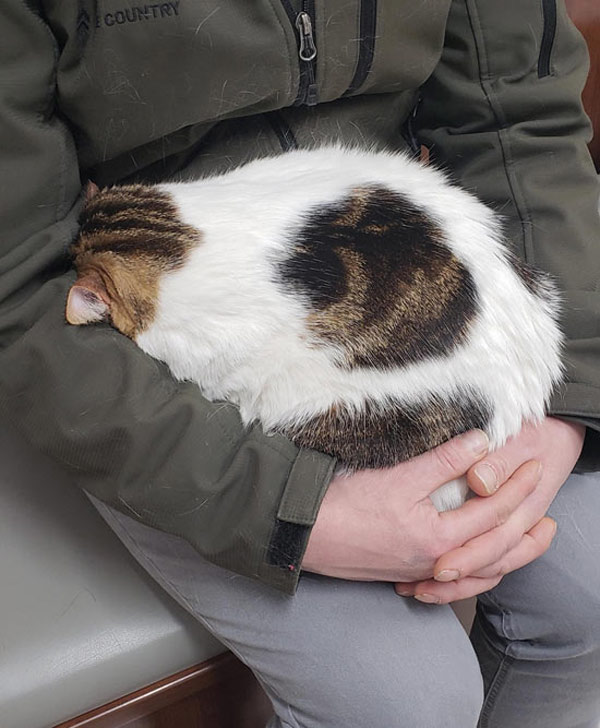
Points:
(506, 625)
(497, 684)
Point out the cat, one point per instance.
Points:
(355, 301)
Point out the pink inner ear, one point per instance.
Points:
(91, 190)
(85, 306)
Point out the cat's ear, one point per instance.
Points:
(88, 301)
(91, 190)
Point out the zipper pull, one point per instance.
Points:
(308, 49)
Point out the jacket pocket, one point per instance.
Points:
(399, 44)
(548, 37)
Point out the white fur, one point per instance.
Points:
(224, 322)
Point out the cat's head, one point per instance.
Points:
(130, 237)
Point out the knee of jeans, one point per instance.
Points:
(573, 623)
(452, 701)
(556, 614)
(443, 690)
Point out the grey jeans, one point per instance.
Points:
(344, 654)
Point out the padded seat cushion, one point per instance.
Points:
(80, 622)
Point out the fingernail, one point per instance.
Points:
(486, 474)
(404, 593)
(476, 441)
(427, 598)
(447, 575)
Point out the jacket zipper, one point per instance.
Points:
(307, 51)
(548, 36)
(366, 50)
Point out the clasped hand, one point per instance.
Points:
(381, 525)
(531, 467)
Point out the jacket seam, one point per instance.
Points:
(238, 443)
(572, 412)
(82, 48)
(357, 57)
(275, 448)
(576, 410)
(61, 205)
(291, 52)
(485, 80)
(226, 432)
(45, 119)
(38, 18)
(321, 70)
(279, 451)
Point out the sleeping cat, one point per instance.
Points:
(354, 301)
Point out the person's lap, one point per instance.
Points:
(537, 634)
(342, 653)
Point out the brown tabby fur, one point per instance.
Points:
(129, 237)
(384, 286)
(379, 438)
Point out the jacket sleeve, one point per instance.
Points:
(129, 433)
(502, 112)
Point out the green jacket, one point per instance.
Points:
(115, 91)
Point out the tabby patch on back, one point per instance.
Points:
(383, 284)
(354, 301)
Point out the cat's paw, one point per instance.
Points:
(450, 495)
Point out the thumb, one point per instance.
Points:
(446, 462)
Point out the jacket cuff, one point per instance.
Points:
(580, 403)
(307, 483)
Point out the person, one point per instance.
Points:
(289, 566)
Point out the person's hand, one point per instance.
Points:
(520, 536)
(380, 525)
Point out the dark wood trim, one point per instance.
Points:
(586, 16)
(219, 693)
